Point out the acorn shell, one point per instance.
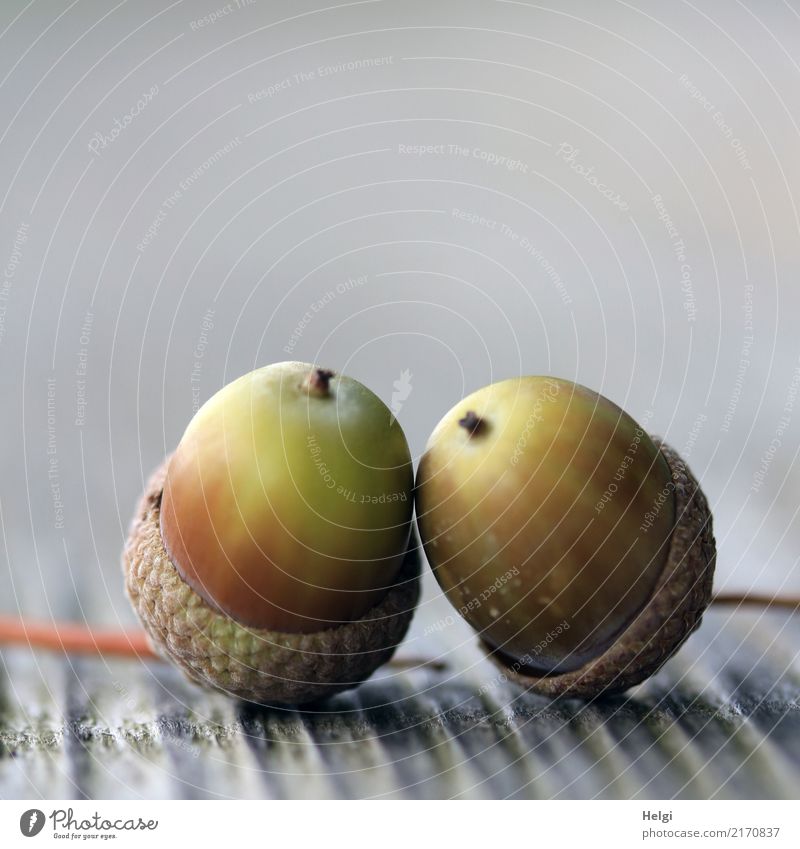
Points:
(674, 611)
(252, 663)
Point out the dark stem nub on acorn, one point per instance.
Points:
(318, 382)
(472, 423)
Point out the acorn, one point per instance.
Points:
(271, 555)
(579, 548)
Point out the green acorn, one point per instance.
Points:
(270, 556)
(579, 548)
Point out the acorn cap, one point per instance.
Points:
(252, 663)
(674, 611)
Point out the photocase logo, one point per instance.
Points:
(65, 824)
(31, 822)
(402, 389)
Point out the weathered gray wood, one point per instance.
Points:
(721, 720)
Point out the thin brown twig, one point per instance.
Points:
(757, 600)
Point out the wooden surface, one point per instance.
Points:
(722, 720)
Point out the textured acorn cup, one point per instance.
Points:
(245, 566)
(587, 560)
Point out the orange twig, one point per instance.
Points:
(79, 639)
(76, 639)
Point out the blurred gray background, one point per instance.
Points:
(606, 192)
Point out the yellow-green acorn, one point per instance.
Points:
(578, 547)
(270, 555)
